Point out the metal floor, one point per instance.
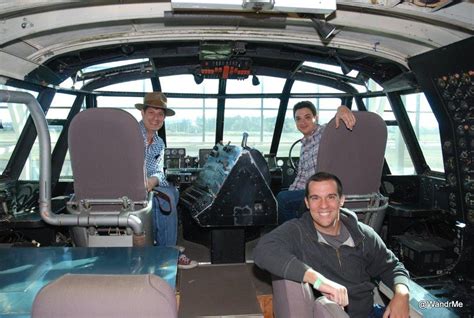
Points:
(260, 279)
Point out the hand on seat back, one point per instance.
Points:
(347, 117)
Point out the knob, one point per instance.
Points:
(452, 197)
(448, 146)
(470, 215)
(450, 163)
(453, 80)
(458, 117)
(442, 82)
(452, 179)
(446, 95)
(465, 78)
(452, 106)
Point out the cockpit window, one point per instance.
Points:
(56, 117)
(256, 116)
(260, 85)
(426, 129)
(187, 84)
(305, 87)
(12, 120)
(85, 75)
(396, 152)
(137, 86)
(331, 68)
(194, 125)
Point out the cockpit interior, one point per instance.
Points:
(232, 71)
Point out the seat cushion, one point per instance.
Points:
(106, 296)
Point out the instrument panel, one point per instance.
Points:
(447, 78)
(182, 169)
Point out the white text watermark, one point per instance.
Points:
(427, 304)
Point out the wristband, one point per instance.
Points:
(318, 282)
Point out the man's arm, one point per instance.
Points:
(278, 252)
(345, 114)
(399, 306)
(332, 290)
(386, 266)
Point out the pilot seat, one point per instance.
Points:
(110, 195)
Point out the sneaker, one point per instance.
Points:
(185, 263)
(180, 248)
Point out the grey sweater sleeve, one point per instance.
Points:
(384, 264)
(279, 252)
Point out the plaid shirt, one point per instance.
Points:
(308, 163)
(154, 154)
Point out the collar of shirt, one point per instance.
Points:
(307, 139)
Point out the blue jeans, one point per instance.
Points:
(377, 311)
(166, 224)
(289, 204)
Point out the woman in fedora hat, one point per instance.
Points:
(154, 111)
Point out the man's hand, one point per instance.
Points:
(151, 183)
(347, 117)
(399, 306)
(335, 292)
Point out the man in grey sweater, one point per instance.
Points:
(328, 248)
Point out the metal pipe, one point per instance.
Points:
(47, 215)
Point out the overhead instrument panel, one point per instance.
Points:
(223, 60)
(447, 75)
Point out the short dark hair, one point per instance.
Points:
(323, 176)
(304, 104)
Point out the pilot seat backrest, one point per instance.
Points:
(108, 163)
(85, 295)
(107, 156)
(357, 158)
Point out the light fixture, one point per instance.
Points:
(325, 30)
(255, 80)
(198, 78)
(258, 5)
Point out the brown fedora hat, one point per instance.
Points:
(155, 100)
